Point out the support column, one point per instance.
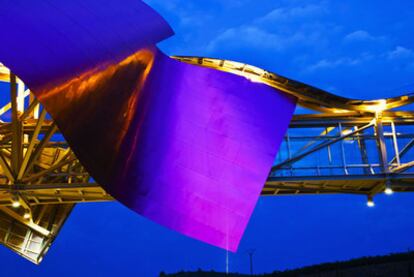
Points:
(382, 148)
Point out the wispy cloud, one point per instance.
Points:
(342, 61)
(254, 37)
(186, 12)
(292, 13)
(361, 35)
(400, 53)
(277, 30)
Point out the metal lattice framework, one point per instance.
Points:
(40, 178)
(334, 145)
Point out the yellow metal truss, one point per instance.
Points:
(41, 179)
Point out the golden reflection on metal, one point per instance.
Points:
(97, 82)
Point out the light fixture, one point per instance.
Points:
(15, 202)
(254, 78)
(26, 215)
(379, 106)
(388, 191)
(370, 202)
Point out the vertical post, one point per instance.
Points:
(289, 151)
(329, 153)
(329, 150)
(251, 252)
(382, 148)
(288, 145)
(35, 112)
(394, 139)
(227, 262)
(363, 150)
(342, 150)
(20, 96)
(17, 151)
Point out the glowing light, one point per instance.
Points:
(349, 139)
(26, 215)
(379, 107)
(254, 78)
(339, 111)
(388, 191)
(370, 202)
(16, 204)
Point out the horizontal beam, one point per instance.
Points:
(308, 96)
(377, 177)
(320, 146)
(28, 223)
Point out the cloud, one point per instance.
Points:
(395, 57)
(277, 30)
(342, 61)
(255, 37)
(361, 35)
(186, 13)
(400, 53)
(293, 13)
(325, 63)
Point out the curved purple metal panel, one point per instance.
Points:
(51, 41)
(186, 146)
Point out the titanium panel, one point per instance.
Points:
(168, 139)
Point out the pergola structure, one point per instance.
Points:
(333, 145)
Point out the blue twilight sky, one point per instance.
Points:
(361, 49)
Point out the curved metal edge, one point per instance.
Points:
(309, 96)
